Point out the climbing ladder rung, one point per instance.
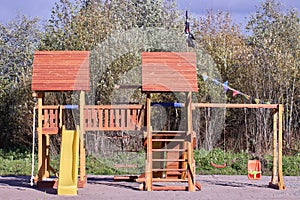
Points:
(166, 134)
(175, 132)
(173, 187)
(168, 140)
(168, 170)
(140, 180)
(169, 150)
(168, 180)
(169, 160)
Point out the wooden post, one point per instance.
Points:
(43, 143)
(280, 174)
(190, 159)
(277, 175)
(149, 144)
(275, 129)
(81, 123)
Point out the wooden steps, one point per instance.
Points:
(173, 187)
(169, 161)
(162, 180)
(169, 170)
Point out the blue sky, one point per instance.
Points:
(239, 9)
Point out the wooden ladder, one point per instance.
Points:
(167, 161)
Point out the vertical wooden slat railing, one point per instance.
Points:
(112, 117)
(50, 122)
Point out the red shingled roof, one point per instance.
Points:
(61, 71)
(169, 72)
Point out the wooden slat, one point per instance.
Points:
(173, 187)
(94, 118)
(169, 180)
(118, 106)
(117, 118)
(168, 170)
(168, 140)
(129, 121)
(221, 105)
(85, 116)
(123, 118)
(111, 118)
(46, 119)
(169, 160)
(169, 150)
(89, 118)
(100, 118)
(106, 118)
(50, 130)
(52, 118)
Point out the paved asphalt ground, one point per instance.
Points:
(217, 187)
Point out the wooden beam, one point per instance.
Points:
(149, 175)
(81, 124)
(280, 174)
(190, 163)
(41, 141)
(275, 156)
(223, 105)
(173, 187)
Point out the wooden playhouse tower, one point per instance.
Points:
(59, 71)
(169, 154)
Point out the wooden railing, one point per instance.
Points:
(113, 117)
(50, 119)
(96, 118)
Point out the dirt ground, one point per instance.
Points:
(103, 187)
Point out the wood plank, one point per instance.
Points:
(280, 124)
(123, 118)
(173, 187)
(118, 106)
(94, 118)
(50, 130)
(111, 118)
(46, 123)
(105, 118)
(100, 118)
(149, 175)
(221, 105)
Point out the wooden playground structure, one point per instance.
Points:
(169, 154)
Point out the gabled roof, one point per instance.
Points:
(61, 71)
(169, 72)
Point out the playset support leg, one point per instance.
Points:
(277, 174)
(280, 174)
(190, 159)
(43, 143)
(149, 145)
(274, 170)
(82, 149)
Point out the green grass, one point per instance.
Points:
(19, 163)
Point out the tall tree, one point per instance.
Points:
(221, 39)
(275, 41)
(19, 38)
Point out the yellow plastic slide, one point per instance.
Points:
(68, 169)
